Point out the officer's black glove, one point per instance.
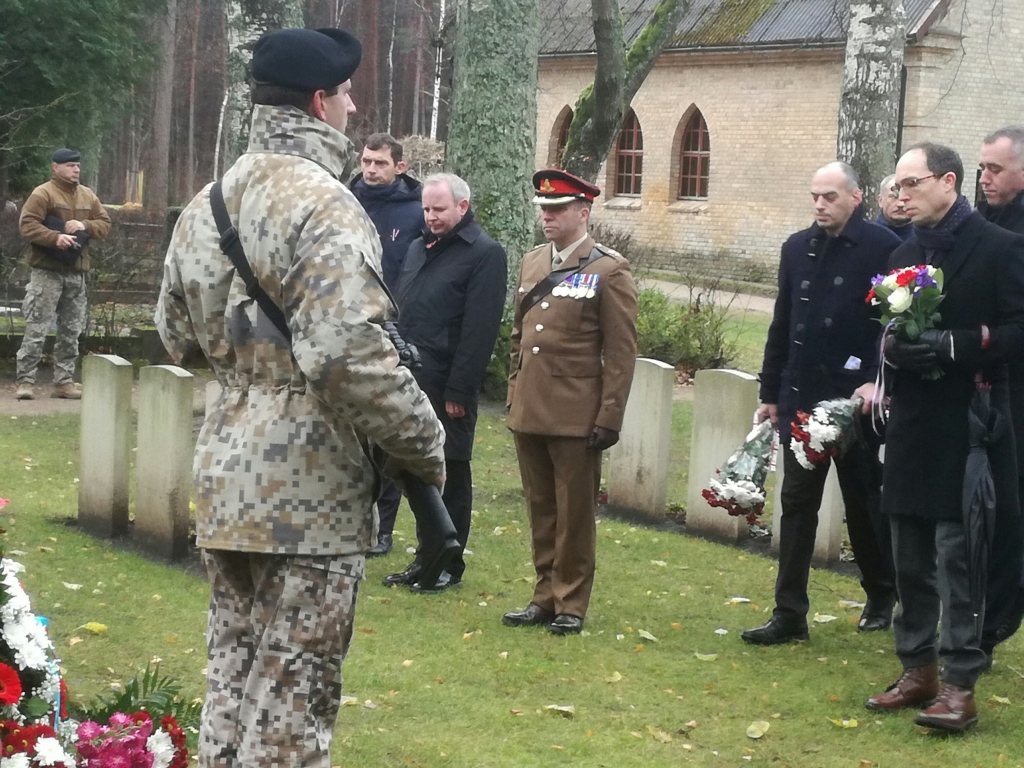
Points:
(913, 356)
(601, 439)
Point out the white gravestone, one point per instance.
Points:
(638, 463)
(164, 460)
(105, 445)
(723, 410)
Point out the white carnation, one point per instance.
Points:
(50, 752)
(19, 760)
(162, 747)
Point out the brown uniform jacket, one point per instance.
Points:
(68, 201)
(572, 358)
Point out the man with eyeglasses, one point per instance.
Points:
(928, 441)
(891, 214)
(822, 344)
(1002, 181)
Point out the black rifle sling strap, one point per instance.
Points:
(547, 285)
(232, 247)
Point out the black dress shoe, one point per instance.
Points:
(409, 576)
(565, 624)
(384, 544)
(530, 616)
(776, 632)
(444, 582)
(876, 616)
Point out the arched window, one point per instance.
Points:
(694, 158)
(629, 157)
(561, 134)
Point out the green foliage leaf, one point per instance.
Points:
(34, 707)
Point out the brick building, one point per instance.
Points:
(711, 169)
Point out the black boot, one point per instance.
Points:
(777, 631)
(384, 544)
(409, 576)
(877, 614)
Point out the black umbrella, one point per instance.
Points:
(985, 426)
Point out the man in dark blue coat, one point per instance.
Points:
(392, 200)
(1002, 182)
(823, 344)
(928, 437)
(451, 296)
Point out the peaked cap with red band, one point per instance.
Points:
(555, 187)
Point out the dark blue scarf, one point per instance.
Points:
(942, 237)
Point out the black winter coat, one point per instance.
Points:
(926, 437)
(450, 306)
(1011, 217)
(397, 213)
(823, 340)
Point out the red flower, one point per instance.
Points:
(63, 700)
(906, 277)
(870, 296)
(10, 685)
(170, 725)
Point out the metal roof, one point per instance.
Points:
(567, 25)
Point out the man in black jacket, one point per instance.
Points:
(451, 294)
(822, 344)
(928, 439)
(392, 200)
(890, 214)
(1002, 182)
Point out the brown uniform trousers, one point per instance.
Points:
(571, 368)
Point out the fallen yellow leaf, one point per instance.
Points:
(647, 635)
(95, 627)
(758, 728)
(614, 677)
(706, 656)
(676, 625)
(844, 723)
(565, 710)
(407, 663)
(659, 735)
(1000, 699)
(74, 640)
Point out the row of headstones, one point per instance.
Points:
(637, 474)
(723, 407)
(163, 454)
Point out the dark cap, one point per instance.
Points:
(305, 59)
(555, 187)
(62, 156)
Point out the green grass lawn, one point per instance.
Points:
(438, 681)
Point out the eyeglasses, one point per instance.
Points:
(911, 183)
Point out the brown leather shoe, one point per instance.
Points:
(915, 687)
(954, 710)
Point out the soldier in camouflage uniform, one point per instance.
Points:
(286, 488)
(58, 219)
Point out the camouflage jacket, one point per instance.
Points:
(282, 461)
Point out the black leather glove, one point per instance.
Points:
(913, 356)
(601, 439)
(940, 341)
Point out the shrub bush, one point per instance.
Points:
(688, 336)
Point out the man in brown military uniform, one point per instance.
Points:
(285, 482)
(573, 351)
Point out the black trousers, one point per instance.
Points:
(860, 480)
(458, 498)
(1005, 571)
(932, 578)
(387, 507)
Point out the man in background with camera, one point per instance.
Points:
(59, 219)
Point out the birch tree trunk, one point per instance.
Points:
(247, 21)
(493, 124)
(617, 77)
(156, 192)
(870, 103)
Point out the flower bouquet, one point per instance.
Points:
(131, 741)
(828, 430)
(738, 487)
(909, 299)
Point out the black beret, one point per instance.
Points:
(62, 156)
(305, 59)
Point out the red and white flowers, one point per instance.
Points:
(828, 430)
(738, 487)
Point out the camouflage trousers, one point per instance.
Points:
(279, 629)
(48, 296)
